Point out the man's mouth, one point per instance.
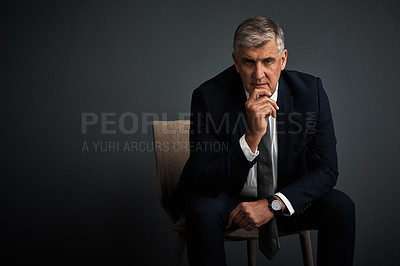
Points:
(259, 85)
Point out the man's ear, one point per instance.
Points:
(284, 59)
(235, 61)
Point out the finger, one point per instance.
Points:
(274, 104)
(270, 101)
(257, 93)
(273, 113)
(248, 224)
(264, 105)
(263, 101)
(266, 111)
(232, 216)
(244, 223)
(239, 219)
(249, 227)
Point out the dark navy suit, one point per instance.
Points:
(307, 160)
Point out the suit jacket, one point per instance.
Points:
(307, 160)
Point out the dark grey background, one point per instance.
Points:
(60, 59)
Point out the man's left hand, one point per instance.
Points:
(250, 215)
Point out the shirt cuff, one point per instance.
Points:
(250, 156)
(289, 206)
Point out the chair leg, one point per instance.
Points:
(251, 252)
(179, 247)
(306, 248)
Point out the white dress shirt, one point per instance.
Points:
(250, 187)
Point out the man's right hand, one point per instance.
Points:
(259, 107)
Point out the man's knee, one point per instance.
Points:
(205, 211)
(339, 203)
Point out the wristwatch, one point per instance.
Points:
(274, 205)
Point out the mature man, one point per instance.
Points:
(275, 164)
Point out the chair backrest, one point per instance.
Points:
(171, 145)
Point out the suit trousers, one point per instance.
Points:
(333, 215)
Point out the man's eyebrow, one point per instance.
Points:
(248, 58)
(269, 58)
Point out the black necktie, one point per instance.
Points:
(268, 233)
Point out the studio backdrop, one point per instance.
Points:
(82, 81)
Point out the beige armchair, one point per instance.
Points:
(171, 144)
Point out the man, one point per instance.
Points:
(275, 164)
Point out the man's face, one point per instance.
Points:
(260, 67)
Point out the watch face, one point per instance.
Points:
(276, 205)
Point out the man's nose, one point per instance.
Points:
(258, 72)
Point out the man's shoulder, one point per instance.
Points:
(293, 76)
(300, 84)
(223, 82)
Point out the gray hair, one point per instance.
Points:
(255, 32)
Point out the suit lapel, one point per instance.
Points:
(240, 124)
(285, 103)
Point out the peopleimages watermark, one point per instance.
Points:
(125, 123)
(128, 123)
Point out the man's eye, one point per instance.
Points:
(248, 62)
(268, 61)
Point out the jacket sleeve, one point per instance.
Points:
(320, 159)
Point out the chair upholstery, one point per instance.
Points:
(171, 145)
